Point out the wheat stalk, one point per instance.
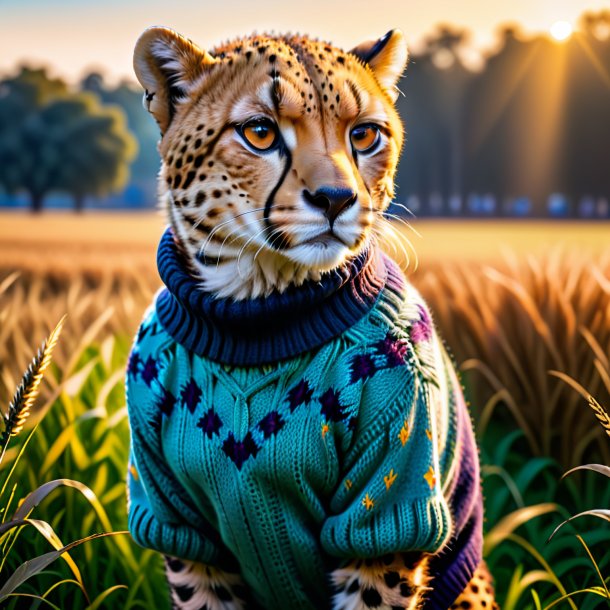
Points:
(600, 413)
(26, 393)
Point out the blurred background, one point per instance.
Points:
(506, 109)
(501, 220)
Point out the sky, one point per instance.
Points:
(76, 36)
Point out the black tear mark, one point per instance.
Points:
(269, 202)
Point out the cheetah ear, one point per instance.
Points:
(387, 57)
(167, 65)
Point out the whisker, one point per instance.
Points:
(397, 235)
(404, 207)
(401, 238)
(235, 232)
(223, 224)
(243, 248)
(277, 232)
(387, 232)
(229, 221)
(222, 245)
(377, 233)
(403, 222)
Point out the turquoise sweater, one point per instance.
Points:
(344, 450)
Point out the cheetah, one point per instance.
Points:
(299, 436)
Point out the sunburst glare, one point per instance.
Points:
(561, 30)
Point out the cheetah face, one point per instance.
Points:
(278, 147)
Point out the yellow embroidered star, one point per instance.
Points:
(325, 429)
(368, 502)
(430, 477)
(389, 479)
(404, 433)
(348, 483)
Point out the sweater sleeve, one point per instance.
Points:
(161, 514)
(390, 497)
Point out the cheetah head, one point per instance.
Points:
(277, 151)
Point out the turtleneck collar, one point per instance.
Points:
(266, 329)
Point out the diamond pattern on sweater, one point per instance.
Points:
(240, 451)
(362, 367)
(150, 371)
(210, 423)
(332, 409)
(395, 350)
(133, 367)
(166, 402)
(191, 395)
(299, 394)
(272, 423)
(421, 330)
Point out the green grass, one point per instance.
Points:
(83, 436)
(525, 501)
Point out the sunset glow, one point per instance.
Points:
(561, 30)
(73, 35)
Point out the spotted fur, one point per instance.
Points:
(400, 581)
(395, 581)
(479, 593)
(242, 217)
(194, 586)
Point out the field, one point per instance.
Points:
(524, 308)
(96, 241)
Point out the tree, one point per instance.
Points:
(596, 24)
(586, 127)
(55, 140)
(434, 86)
(446, 44)
(129, 97)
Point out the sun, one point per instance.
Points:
(561, 30)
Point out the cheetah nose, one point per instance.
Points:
(331, 200)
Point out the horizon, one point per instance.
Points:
(82, 50)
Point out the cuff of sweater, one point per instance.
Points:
(421, 525)
(171, 539)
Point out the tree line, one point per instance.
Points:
(534, 121)
(91, 141)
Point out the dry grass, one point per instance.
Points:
(20, 407)
(64, 243)
(511, 304)
(511, 325)
(98, 307)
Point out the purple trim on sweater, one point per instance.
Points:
(453, 569)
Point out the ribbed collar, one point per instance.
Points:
(265, 330)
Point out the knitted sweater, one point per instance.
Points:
(289, 433)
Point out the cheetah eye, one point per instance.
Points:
(364, 138)
(260, 134)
